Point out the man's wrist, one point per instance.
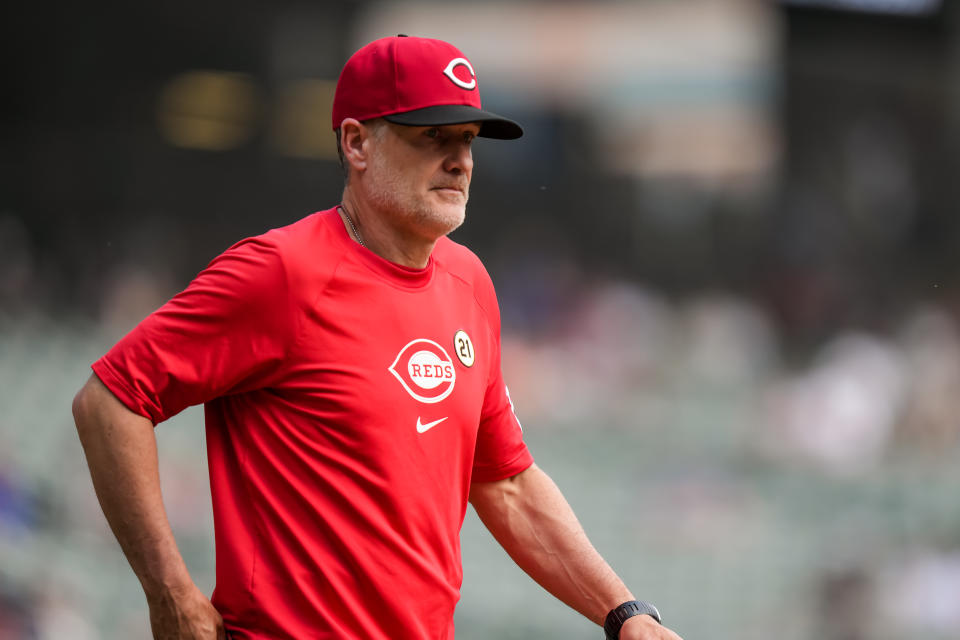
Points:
(170, 584)
(617, 616)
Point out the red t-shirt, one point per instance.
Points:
(350, 402)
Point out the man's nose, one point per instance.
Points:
(459, 158)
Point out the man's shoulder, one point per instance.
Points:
(302, 241)
(464, 265)
(297, 252)
(302, 234)
(460, 262)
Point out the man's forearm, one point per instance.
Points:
(121, 452)
(533, 522)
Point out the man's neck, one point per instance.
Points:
(372, 229)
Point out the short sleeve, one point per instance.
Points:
(227, 332)
(501, 451)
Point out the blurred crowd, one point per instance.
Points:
(607, 352)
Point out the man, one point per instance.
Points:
(350, 369)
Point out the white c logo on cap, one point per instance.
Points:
(456, 62)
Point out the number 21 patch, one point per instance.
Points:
(463, 347)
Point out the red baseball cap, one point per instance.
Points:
(415, 82)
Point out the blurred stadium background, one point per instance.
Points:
(726, 251)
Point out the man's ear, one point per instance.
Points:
(353, 134)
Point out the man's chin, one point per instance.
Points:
(454, 220)
(447, 218)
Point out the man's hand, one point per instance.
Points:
(644, 627)
(185, 614)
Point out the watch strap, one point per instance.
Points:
(619, 615)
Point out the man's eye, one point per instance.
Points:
(468, 137)
(432, 132)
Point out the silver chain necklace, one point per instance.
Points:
(352, 226)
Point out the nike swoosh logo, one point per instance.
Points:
(423, 428)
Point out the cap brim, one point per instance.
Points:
(491, 125)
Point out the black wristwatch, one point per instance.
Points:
(616, 617)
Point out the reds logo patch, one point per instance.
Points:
(425, 370)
